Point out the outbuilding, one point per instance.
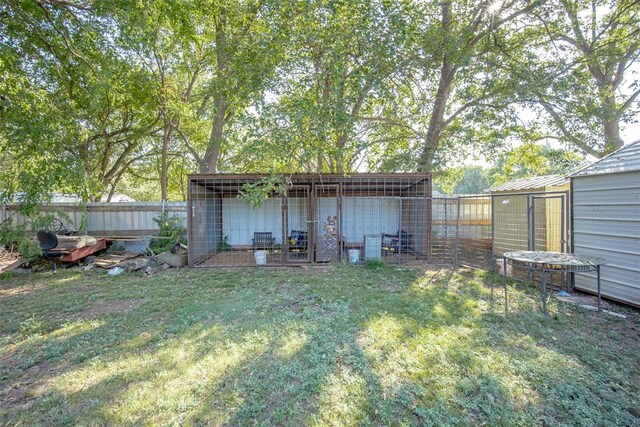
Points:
(531, 214)
(606, 222)
(244, 219)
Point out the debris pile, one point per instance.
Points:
(9, 260)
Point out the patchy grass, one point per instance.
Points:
(345, 346)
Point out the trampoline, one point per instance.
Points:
(552, 262)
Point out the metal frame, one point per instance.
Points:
(545, 266)
(205, 189)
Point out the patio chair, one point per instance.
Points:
(263, 240)
(48, 242)
(298, 241)
(396, 243)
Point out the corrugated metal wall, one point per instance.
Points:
(606, 223)
(106, 219)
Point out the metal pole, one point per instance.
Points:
(399, 234)
(599, 294)
(506, 304)
(504, 272)
(446, 231)
(544, 290)
(457, 233)
(562, 241)
(533, 223)
(529, 222)
(493, 241)
(530, 245)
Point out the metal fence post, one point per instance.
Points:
(493, 231)
(457, 235)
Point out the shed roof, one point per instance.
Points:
(625, 159)
(531, 183)
(365, 183)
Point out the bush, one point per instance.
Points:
(224, 245)
(171, 231)
(16, 239)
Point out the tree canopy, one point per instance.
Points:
(100, 97)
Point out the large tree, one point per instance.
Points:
(590, 87)
(73, 109)
(454, 93)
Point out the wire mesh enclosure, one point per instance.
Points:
(461, 231)
(315, 218)
(391, 217)
(531, 221)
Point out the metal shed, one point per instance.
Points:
(531, 214)
(606, 222)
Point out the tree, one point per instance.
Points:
(530, 159)
(73, 110)
(248, 37)
(459, 46)
(454, 94)
(590, 88)
(338, 65)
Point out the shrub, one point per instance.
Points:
(224, 245)
(16, 239)
(171, 231)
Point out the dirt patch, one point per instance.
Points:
(391, 287)
(19, 290)
(25, 389)
(120, 306)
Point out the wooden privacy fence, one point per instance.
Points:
(127, 219)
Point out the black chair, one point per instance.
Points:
(397, 243)
(298, 241)
(263, 240)
(49, 241)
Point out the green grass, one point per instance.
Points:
(341, 346)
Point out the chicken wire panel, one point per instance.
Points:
(550, 225)
(530, 221)
(474, 231)
(227, 229)
(387, 208)
(511, 223)
(320, 219)
(416, 210)
(297, 208)
(534, 222)
(444, 231)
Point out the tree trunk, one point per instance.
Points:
(340, 143)
(437, 121)
(612, 139)
(447, 74)
(610, 122)
(210, 160)
(164, 167)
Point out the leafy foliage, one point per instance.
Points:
(259, 191)
(15, 238)
(171, 232)
(132, 96)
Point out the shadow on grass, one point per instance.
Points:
(352, 346)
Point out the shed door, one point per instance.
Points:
(548, 223)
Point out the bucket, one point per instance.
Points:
(354, 256)
(261, 257)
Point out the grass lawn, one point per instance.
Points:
(328, 346)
